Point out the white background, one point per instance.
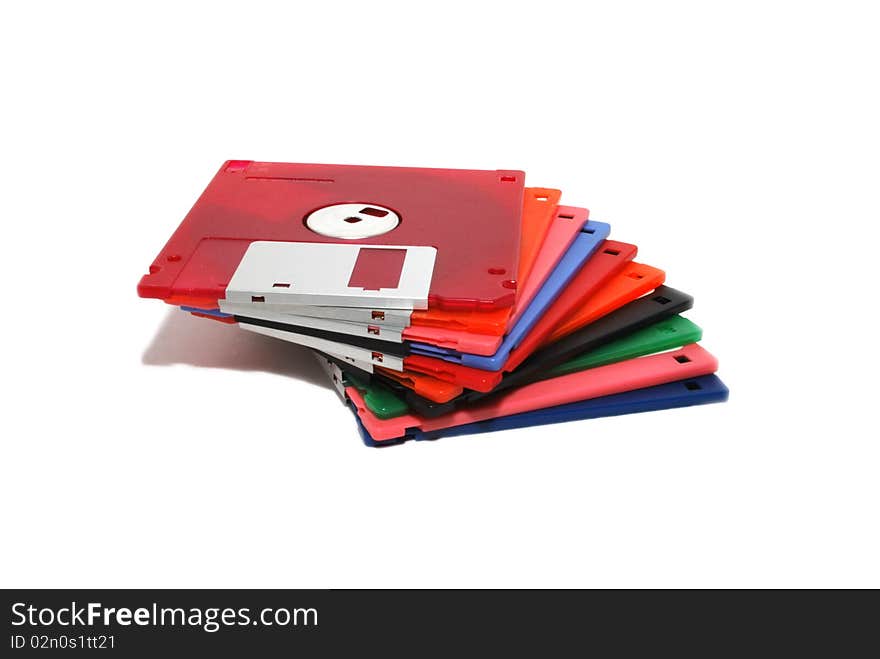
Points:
(737, 145)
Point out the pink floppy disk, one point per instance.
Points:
(688, 362)
(566, 224)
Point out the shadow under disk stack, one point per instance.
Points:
(440, 302)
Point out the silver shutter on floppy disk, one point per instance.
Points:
(343, 350)
(394, 318)
(337, 377)
(338, 275)
(367, 331)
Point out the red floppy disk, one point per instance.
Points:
(472, 218)
(426, 386)
(463, 329)
(439, 369)
(636, 280)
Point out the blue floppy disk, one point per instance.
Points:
(207, 312)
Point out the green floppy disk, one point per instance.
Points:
(668, 334)
(380, 400)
